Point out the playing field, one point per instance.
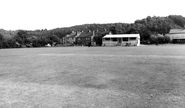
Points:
(95, 77)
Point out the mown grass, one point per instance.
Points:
(116, 77)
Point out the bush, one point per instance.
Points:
(1, 40)
(159, 39)
(35, 43)
(167, 39)
(53, 39)
(153, 39)
(9, 44)
(1, 44)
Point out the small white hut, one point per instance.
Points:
(121, 40)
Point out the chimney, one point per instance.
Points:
(93, 35)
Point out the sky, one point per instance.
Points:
(50, 14)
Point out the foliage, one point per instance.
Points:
(1, 37)
(167, 39)
(113, 30)
(98, 38)
(159, 39)
(21, 37)
(8, 34)
(10, 43)
(146, 27)
(153, 39)
(178, 19)
(53, 39)
(1, 40)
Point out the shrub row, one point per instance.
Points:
(159, 39)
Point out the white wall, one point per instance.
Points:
(123, 43)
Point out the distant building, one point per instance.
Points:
(121, 40)
(177, 35)
(71, 38)
(85, 38)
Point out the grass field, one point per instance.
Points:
(96, 77)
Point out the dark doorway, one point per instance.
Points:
(119, 41)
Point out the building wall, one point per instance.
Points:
(83, 40)
(132, 42)
(180, 41)
(177, 38)
(71, 40)
(111, 42)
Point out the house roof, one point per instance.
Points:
(177, 36)
(86, 34)
(121, 35)
(177, 31)
(73, 34)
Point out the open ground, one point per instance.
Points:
(95, 77)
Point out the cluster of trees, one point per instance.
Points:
(148, 28)
(158, 25)
(36, 38)
(25, 39)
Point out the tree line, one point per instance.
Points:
(151, 29)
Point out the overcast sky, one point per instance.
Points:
(49, 14)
